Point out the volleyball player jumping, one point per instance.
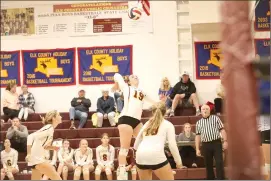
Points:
(37, 144)
(129, 123)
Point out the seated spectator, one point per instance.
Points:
(79, 110)
(26, 102)
(164, 90)
(118, 96)
(65, 157)
(220, 97)
(105, 154)
(10, 101)
(119, 99)
(83, 161)
(187, 151)
(184, 93)
(9, 159)
(51, 157)
(17, 134)
(105, 109)
(130, 166)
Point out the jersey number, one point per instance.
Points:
(9, 163)
(104, 157)
(140, 96)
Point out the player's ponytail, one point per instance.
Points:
(48, 119)
(158, 111)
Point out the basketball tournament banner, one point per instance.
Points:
(97, 65)
(262, 47)
(262, 15)
(80, 19)
(43, 68)
(208, 58)
(10, 67)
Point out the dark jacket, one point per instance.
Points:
(183, 88)
(81, 106)
(106, 106)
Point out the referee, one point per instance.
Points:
(209, 130)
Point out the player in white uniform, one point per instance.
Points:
(65, 157)
(129, 122)
(9, 159)
(105, 154)
(150, 143)
(83, 161)
(37, 144)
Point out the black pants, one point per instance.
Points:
(19, 145)
(10, 113)
(218, 105)
(188, 152)
(213, 150)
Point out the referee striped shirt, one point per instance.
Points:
(209, 128)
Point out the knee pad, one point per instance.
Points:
(133, 170)
(98, 171)
(108, 171)
(9, 175)
(267, 167)
(123, 152)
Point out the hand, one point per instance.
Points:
(225, 145)
(27, 158)
(128, 168)
(198, 152)
(79, 100)
(105, 116)
(15, 128)
(54, 148)
(182, 96)
(180, 166)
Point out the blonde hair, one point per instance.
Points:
(163, 87)
(48, 119)
(185, 125)
(158, 111)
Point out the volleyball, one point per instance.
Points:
(134, 13)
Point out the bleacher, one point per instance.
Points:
(92, 135)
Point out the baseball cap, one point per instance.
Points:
(185, 73)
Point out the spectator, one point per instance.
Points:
(209, 130)
(17, 134)
(187, 151)
(10, 101)
(79, 110)
(184, 93)
(9, 159)
(65, 157)
(220, 97)
(131, 167)
(105, 154)
(26, 102)
(118, 96)
(119, 99)
(106, 109)
(83, 161)
(51, 157)
(164, 90)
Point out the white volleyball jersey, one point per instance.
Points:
(82, 159)
(38, 140)
(66, 155)
(105, 155)
(150, 149)
(133, 98)
(9, 159)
